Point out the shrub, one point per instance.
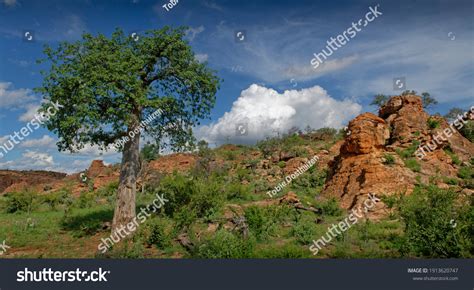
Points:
(237, 191)
(224, 245)
(389, 159)
(468, 130)
(330, 207)
(413, 165)
(304, 231)
(262, 221)
(466, 172)
(282, 164)
(428, 214)
(24, 201)
(433, 123)
(159, 233)
(453, 156)
(61, 197)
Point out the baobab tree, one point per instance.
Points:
(110, 86)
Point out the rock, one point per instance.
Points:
(290, 198)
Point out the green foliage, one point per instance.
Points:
(329, 207)
(379, 100)
(408, 92)
(262, 221)
(427, 100)
(159, 232)
(468, 130)
(433, 123)
(108, 86)
(237, 191)
(282, 164)
(413, 164)
(60, 197)
(224, 245)
(304, 231)
(408, 152)
(453, 156)
(204, 197)
(150, 152)
(429, 214)
(453, 114)
(389, 159)
(466, 172)
(23, 201)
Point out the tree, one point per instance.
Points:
(111, 87)
(379, 100)
(428, 101)
(453, 114)
(150, 152)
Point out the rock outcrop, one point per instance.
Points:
(360, 168)
(11, 180)
(369, 160)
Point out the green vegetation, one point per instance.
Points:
(388, 159)
(413, 164)
(433, 123)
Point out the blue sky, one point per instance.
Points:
(269, 84)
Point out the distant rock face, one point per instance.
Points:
(174, 162)
(11, 180)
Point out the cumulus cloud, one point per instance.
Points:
(31, 160)
(14, 98)
(31, 110)
(266, 112)
(192, 32)
(201, 57)
(43, 142)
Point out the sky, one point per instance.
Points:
(269, 84)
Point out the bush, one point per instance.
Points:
(159, 233)
(433, 123)
(262, 221)
(282, 164)
(24, 201)
(389, 159)
(61, 197)
(466, 172)
(413, 165)
(428, 214)
(468, 130)
(224, 245)
(330, 207)
(453, 156)
(304, 231)
(237, 191)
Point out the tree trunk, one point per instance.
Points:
(129, 170)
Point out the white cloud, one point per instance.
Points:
(10, 3)
(93, 151)
(201, 57)
(39, 159)
(267, 112)
(212, 5)
(192, 32)
(43, 142)
(14, 98)
(31, 110)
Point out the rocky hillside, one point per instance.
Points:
(376, 157)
